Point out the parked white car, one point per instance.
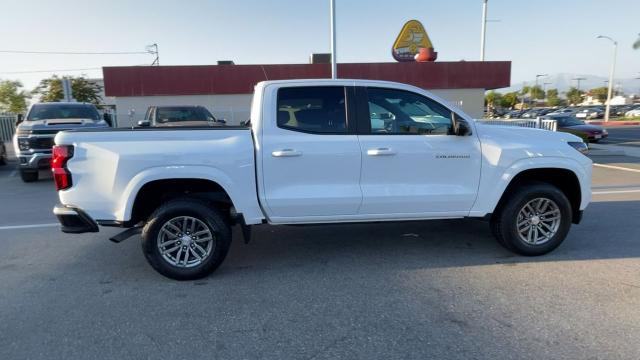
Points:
(632, 113)
(319, 151)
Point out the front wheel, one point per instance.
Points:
(186, 239)
(533, 220)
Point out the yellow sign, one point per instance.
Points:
(412, 38)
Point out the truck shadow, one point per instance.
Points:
(605, 233)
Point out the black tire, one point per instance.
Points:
(194, 208)
(504, 220)
(29, 175)
(3, 154)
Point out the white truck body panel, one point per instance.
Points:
(311, 178)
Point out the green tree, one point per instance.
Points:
(636, 45)
(599, 93)
(83, 90)
(509, 100)
(574, 96)
(492, 98)
(12, 98)
(537, 92)
(552, 98)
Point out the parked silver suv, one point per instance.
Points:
(34, 136)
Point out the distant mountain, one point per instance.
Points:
(564, 81)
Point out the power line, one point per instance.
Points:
(74, 52)
(45, 71)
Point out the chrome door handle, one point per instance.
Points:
(380, 152)
(286, 153)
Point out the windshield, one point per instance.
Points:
(63, 111)
(177, 114)
(568, 121)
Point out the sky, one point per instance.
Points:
(539, 37)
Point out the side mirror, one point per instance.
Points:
(19, 119)
(107, 118)
(462, 128)
(144, 123)
(221, 121)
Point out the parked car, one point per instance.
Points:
(633, 113)
(170, 116)
(565, 111)
(514, 114)
(34, 136)
(3, 153)
(570, 124)
(320, 151)
(590, 113)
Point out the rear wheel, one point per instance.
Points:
(29, 175)
(186, 239)
(534, 220)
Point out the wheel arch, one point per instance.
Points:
(564, 179)
(150, 188)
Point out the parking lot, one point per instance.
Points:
(394, 290)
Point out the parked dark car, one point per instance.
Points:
(170, 116)
(570, 124)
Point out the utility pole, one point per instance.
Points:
(611, 73)
(483, 34)
(334, 67)
(578, 79)
(153, 50)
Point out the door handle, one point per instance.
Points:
(286, 153)
(381, 152)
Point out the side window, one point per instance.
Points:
(402, 112)
(316, 109)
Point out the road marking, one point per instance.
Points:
(617, 167)
(614, 192)
(17, 227)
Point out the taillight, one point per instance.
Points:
(61, 175)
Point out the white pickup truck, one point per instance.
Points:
(319, 151)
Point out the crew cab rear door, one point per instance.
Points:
(310, 154)
(412, 162)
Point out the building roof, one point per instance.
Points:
(240, 79)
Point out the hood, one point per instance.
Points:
(54, 125)
(523, 135)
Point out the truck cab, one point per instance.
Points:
(183, 115)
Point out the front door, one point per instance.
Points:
(412, 162)
(311, 160)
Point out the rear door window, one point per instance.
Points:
(313, 109)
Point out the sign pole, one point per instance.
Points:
(483, 34)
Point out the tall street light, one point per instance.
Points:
(334, 67)
(483, 34)
(611, 73)
(535, 100)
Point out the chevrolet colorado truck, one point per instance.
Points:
(34, 136)
(315, 152)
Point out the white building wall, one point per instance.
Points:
(236, 108)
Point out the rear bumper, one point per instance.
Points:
(74, 220)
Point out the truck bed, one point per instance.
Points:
(110, 166)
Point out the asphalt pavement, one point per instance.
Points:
(416, 290)
(623, 135)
